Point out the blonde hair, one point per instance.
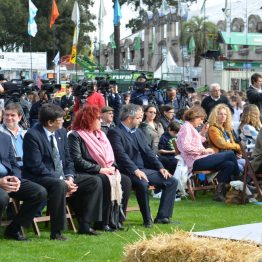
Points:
(212, 119)
(250, 116)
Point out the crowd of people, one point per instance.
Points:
(90, 152)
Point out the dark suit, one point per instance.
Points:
(30, 193)
(39, 167)
(132, 153)
(254, 97)
(67, 101)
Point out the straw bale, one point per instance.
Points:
(184, 246)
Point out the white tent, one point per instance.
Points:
(167, 67)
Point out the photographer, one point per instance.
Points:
(144, 93)
(115, 100)
(85, 93)
(173, 99)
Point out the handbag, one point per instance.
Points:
(116, 215)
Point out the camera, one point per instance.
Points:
(50, 87)
(154, 85)
(84, 88)
(184, 88)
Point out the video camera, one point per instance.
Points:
(153, 85)
(184, 88)
(17, 87)
(103, 84)
(84, 87)
(50, 87)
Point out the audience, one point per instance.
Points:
(92, 154)
(167, 115)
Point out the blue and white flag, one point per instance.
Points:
(117, 13)
(56, 60)
(32, 26)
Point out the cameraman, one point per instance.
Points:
(115, 100)
(144, 95)
(33, 114)
(92, 97)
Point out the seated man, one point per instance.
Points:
(48, 163)
(107, 116)
(11, 118)
(136, 159)
(12, 185)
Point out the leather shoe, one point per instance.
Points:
(107, 228)
(90, 232)
(14, 235)
(148, 224)
(164, 220)
(58, 236)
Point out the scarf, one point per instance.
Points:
(101, 151)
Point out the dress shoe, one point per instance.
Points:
(148, 224)
(58, 236)
(107, 228)
(164, 220)
(90, 232)
(14, 235)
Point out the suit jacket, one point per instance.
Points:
(254, 97)
(7, 156)
(37, 158)
(125, 150)
(67, 102)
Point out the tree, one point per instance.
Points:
(14, 19)
(198, 28)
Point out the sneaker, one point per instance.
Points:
(157, 195)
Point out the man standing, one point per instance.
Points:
(11, 184)
(67, 104)
(254, 92)
(136, 159)
(48, 163)
(214, 99)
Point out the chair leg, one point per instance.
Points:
(70, 219)
(190, 189)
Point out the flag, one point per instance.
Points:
(54, 13)
(112, 41)
(191, 45)
(117, 13)
(75, 17)
(203, 8)
(56, 60)
(74, 46)
(164, 8)
(102, 12)
(137, 43)
(32, 26)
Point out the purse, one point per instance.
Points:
(116, 215)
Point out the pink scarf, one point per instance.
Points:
(101, 151)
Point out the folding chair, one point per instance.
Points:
(249, 171)
(46, 218)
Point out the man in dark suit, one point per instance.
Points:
(11, 184)
(47, 162)
(254, 92)
(135, 158)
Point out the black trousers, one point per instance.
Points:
(126, 188)
(87, 201)
(32, 196)
(168, 186)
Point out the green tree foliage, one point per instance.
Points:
(14, 19)
(198, 28)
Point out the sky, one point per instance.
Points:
(239, 8)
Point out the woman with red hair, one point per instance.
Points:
(92, 153)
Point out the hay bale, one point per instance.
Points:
(183, 246)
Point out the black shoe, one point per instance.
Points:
(90, 232)
(58, 236)
(107, 228)
(120, 226)
(148, 224)
(164, 220)
(14, 235)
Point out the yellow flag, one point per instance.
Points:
(73, 55)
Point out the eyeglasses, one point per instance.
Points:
(151, 112)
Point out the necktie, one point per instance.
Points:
(56, 158)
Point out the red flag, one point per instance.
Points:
(54, 14)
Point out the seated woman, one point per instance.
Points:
(199, 158)
(92, 153)
(249, 126)
(151, 127)
(167, 115)
(221, 134)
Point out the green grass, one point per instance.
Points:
(203, 214)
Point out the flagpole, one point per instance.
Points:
(100, 35)
(31, 62)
